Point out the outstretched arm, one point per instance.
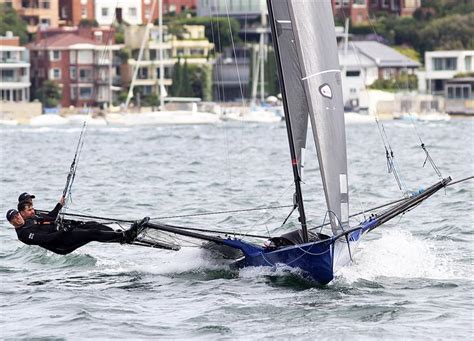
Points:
(54, 213)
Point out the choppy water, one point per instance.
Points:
(412, 279)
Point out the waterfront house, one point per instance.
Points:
(364, 62)
(459, 94)
(441, 66)
(192, 45)
(14, 70)
(80, 60)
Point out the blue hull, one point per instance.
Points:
(314, 259)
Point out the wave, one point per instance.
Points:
(400, 254)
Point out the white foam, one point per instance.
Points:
(398, 254)
(157, 261)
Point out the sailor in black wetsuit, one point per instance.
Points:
(39, 216)
(68, 237)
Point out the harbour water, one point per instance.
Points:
(411, 279)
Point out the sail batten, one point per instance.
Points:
(308, 50)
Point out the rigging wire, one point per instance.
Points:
(67, 192)
(118, 221)
(422, 144)
(392, 167)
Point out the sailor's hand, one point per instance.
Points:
(62, 200)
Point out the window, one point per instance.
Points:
(388, 73)
(85, 57)
(359, 2)
(459, 91)
(73, 92)
(142, 73)
(468, 63)
(84, 12)
(451, 63)
(352, 73)
(197, 52)
(105, 11)
(85, 75)
(447, 64)
(437, 64)
(45, 22)
(72, 72)
(132, 11)
(55, 55)
(85, 93)
(7, 75)
(147, 90)
(465, 92)
(56, 73)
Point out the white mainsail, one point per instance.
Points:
(314, 41)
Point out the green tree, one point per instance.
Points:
(11, 21)
(49, 94)
(402, 82)
(88, 23)
(271, 74)
(206, 81)
(177, 79)
(186, 87)
(448, 33)
(200, 78)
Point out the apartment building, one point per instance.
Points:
(37, 13)
(14, 70)
(128, 11)
(441, 66)
(71, 12)
(192, 46)
(358, 10)
(85, 67)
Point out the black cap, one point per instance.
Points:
(11, 213)
(25, 196)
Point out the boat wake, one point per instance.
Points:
(398, 254)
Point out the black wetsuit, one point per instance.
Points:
(46, 235)
(49, 216)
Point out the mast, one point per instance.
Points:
(162, 70)
(140, 53)
(294, 160)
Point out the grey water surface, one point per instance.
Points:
(411, 279)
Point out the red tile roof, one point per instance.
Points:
(61, 41)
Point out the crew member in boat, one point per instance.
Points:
(39, 216)
(65, 236)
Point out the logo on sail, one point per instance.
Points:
(325, 90)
